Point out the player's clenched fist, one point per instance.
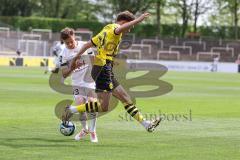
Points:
(143, 16)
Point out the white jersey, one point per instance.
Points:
(81, 76)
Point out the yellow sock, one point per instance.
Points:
(89, 107)
(81, 108)
(133, 111)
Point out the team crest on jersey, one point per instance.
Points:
(111, 85)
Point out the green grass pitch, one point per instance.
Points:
(29, 129)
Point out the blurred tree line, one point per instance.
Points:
(190, 15)
(71, 9)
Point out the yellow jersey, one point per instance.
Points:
(107, 43)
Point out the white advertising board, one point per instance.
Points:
(193, 66)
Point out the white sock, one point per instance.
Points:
(145, 123)
(73, 109)
(83, 120)
(93, 120)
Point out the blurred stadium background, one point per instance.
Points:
(195, 37)
(180, 30)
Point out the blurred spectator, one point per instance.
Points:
(238, 62)
(215, 62)
(18, 52)
(57, 50)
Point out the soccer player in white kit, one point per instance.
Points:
(82, 82)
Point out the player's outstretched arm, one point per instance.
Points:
(66, 72)
(130, 24)
(86, 46)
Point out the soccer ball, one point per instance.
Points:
(67, 129)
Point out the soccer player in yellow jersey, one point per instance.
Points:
(107, 43)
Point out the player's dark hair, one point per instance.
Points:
(125, 16)
(66, 33)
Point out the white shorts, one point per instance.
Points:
(83, 84)
(84, 91)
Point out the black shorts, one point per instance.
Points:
(104, 77)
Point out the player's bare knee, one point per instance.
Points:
(104, 107)
(79, 99)
(92, 99)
